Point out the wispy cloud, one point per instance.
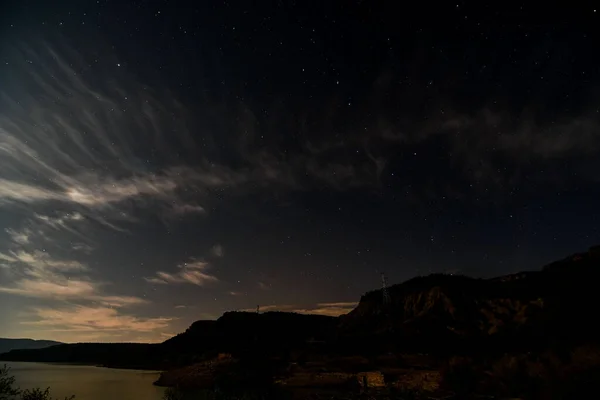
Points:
(493, 148)
(192, 272)
(523, 136)
(43, 229)
(59, 288)
(217, 250)
(19, 237)
(95, 149)
(77, 157)
(271, 307)
(93, 191)
(328, 309)
(82, 247)
(7, 258)
(84, 150)
(40, 261)
(94, 322)
(39, 275)
(181, 209)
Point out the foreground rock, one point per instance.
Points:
(202, 375)
(361, 380)
(196, 376)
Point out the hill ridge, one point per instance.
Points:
(438, 313)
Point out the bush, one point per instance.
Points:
(173, 394)
(520, 375)
(531, 376)
(7, 384)
(8, 391)
(177, 394)
(39, 394)
(461, 376)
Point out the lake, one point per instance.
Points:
(87, 382)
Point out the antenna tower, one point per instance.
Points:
(384, 289)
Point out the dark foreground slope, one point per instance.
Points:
(239, 333)
(441, 315)
(11, 344)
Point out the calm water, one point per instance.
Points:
(87, 383)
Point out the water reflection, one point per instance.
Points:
(87, 382)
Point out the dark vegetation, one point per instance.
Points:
(127, 355)
(8, 390)
(531, 334)
(531, 376)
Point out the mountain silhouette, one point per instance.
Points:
(11, 344)
(437, 314)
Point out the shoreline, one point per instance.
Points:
(74, 364)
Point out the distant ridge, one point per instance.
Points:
(439, 315)
(7, 345)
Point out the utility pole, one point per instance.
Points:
(387, 309)
(384, 289)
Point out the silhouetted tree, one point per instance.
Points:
(8, 391)
(7, 384)
(39, 394)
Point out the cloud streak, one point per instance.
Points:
(95, 322)
(39, 275)
(63, 140)
(191, 272)
(77, 156)
(217, 250)
(66, 140)
(327, 309)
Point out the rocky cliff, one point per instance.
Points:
(437, 311)
(458, 304)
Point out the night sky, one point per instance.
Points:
(164, 162)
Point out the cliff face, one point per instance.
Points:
(455, 303)
(443, 310)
